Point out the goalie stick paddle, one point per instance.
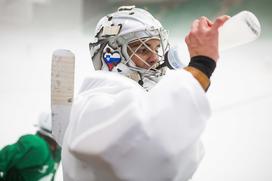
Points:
(62, 91)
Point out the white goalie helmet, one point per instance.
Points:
(113, 35)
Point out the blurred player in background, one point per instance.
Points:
(34, 157)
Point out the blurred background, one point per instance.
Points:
(237, 138)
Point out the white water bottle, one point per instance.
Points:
(240, 29)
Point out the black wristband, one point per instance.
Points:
(204, 64)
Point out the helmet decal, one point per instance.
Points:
(111, 57)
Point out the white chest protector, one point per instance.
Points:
(118, 131)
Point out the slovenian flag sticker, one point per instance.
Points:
(111, 59)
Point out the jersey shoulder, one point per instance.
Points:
(34, 146)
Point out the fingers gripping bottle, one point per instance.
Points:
(240, 29)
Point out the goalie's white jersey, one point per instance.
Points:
(118, 131)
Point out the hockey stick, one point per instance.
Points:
(62, 91)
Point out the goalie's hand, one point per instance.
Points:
(203, 37)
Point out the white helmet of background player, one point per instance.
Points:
(113, 35)
(45, 124)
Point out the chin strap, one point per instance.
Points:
(146, 79)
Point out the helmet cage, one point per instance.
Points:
(120, 44)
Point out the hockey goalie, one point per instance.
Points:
(134, 119)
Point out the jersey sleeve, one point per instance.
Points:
(119, 131)
(28, 151)
(8, 158)
(178, 108)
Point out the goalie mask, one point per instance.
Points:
(131, 42)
